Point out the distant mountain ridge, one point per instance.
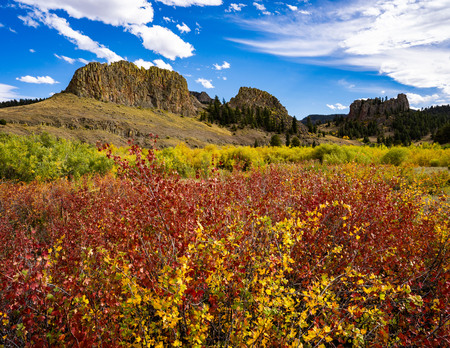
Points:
(315, 118)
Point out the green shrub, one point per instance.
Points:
(295, 142)
(434, 162)
(43, 157)
(275, 140)
(2, 122)
(395, 156)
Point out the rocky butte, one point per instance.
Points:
(254, 98)
(124, 83)
(369, 109)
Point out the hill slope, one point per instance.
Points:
(89, 120)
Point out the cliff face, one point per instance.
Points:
(377, 109)
(124, 83)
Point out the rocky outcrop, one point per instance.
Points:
(365, 110)
(254, 98)
(202, 97)
(124, 83)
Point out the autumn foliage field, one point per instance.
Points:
(282, 255)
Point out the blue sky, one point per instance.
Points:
(315, 56)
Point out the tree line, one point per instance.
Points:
(250, 116)
(15, 102)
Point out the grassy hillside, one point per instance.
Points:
(68, 116)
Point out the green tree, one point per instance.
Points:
(294, 128)
(275, 140)
(295, 142)
(442, 135)
(310, 125)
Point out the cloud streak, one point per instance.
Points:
(83, 42)
(7, 92)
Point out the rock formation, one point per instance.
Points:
(202, 97)
(254, 98)
(365, 110)
(124, 83)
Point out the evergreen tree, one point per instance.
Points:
(442, 135)
(295, 142)
(294, 128)
(310, 125)
(275, 140)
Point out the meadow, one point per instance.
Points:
(227, 247)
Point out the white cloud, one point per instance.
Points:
(404, 39)
(143, 64)
(28, 21)
(205, 83)
(162, 65)
(225, 65)
(7, 92)
(157, 62)
(261, 7)
(337, 106)
(12, 30)
(82, 41)
(168, 19)
(417, 99)
(292, 7)
(304, 12)
(162, 41)
(38, 80)
(183, 28)
(235, 7)
(31, 50)
(198, 28)
(84, 61)
(67, 59)
(114, 12)
(186, 3)
(1, 25)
